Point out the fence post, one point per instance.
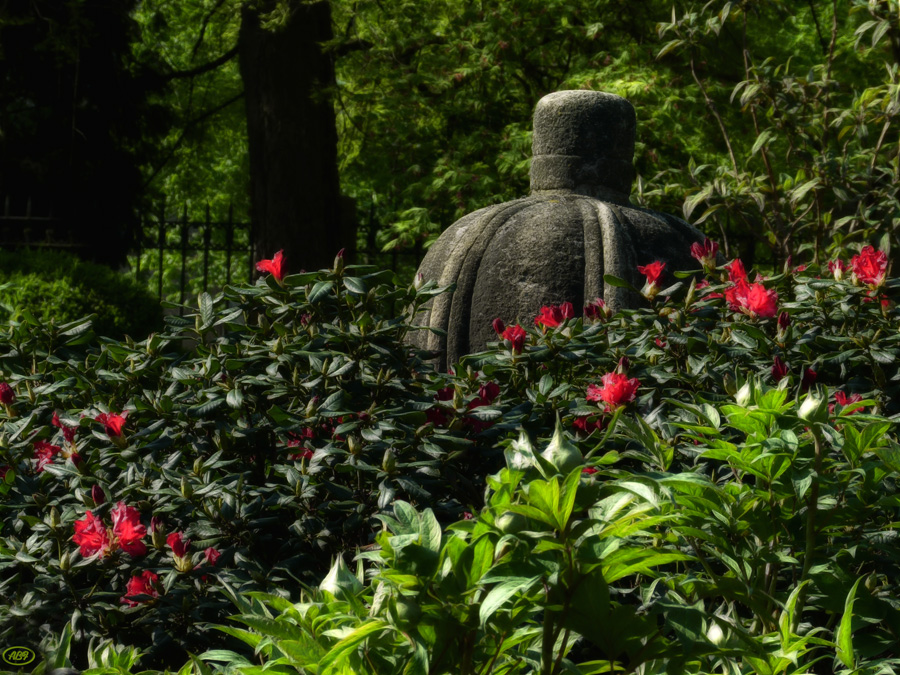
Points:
(140, 240)
(161, 241)
(206, 245)
(184, 249)
(229, 239)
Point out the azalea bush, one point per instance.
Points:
(707, 482)
(243, 447)
(719, 495)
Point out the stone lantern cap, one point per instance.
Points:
(584, 143)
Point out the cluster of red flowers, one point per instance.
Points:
(553, 315)
(754, 299)
(95, 538)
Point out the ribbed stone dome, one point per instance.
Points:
(509, 260)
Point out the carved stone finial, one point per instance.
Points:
(584, 144)
(559, 243)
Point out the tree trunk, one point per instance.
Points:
(295, 196)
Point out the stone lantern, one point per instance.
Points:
(509, 260)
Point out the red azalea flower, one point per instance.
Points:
(589, 470)
(597, 310)
(44, 453)
(499, 326)
(445, 394)
(306, 453)
(7, 395)
(112, 423)
(212, 555)
(705, 253)
(762, 302)
(736, 271)
(845, 401)
(870, 266)
(752, 299)
(91, 535)
(67, 431)
(516, 336)
(128, 530)
(486, 395)
(178, 544)
(587, 425)
(653, 272)
(553, 315)
(808, 379)
(837, 269)
(140, 584)
(437, 417)
(617, 390)
(275, 266)
(779, 369)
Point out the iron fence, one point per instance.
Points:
(205, 243)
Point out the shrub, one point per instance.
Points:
(243, 447)
(56, 286)
(298, 425)
(721, 524)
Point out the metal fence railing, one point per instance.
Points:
(187, 248)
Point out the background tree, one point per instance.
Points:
(248, 83)
(775, 117)
(74, 118)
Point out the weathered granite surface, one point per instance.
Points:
(509, 260)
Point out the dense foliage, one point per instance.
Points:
(58, 287)
(769, 118)
(718, 463)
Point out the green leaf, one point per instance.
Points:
(761, 141)
(786, 621)
(845, 630)
(271, 627)
(431, 531)
(235, 398)
(355, 285)
(502, 592)
(207, 313)
(610, 280)
(337, 654)
(319, 291)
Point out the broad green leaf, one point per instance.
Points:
(430, 530)
(502, 592)
(342, 649)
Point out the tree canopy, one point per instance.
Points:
(768, 123)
